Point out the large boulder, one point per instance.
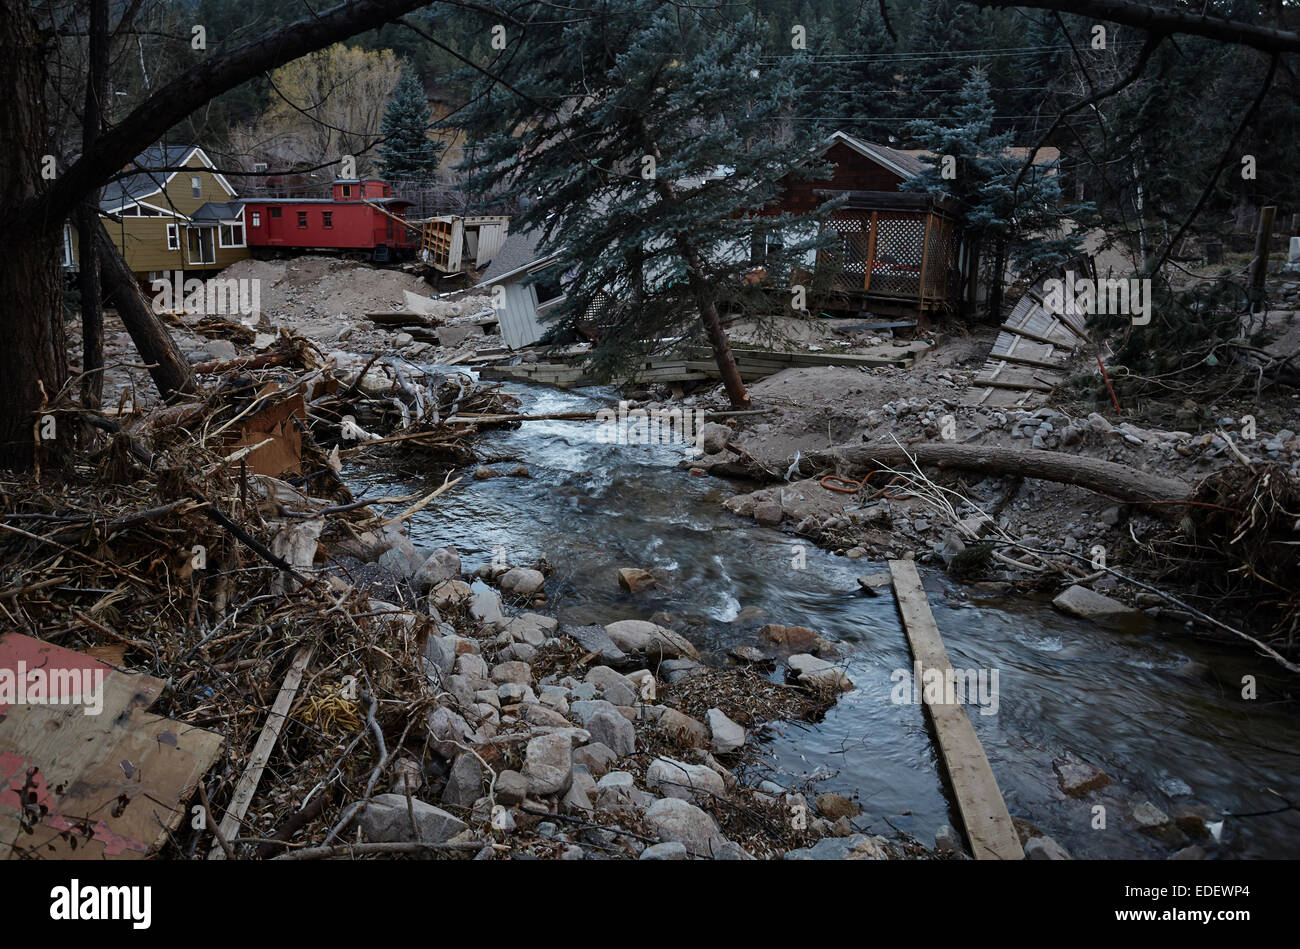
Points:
(641, 638)
(672, 819)
(485, 607)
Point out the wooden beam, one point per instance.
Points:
(984, 814)
(252, 776)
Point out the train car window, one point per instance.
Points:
(347, 191)
(275, 212)
(302, 218)
(327, 218)
(257, 219)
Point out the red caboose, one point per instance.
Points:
(362, 215)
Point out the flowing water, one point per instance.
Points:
(1160, 713)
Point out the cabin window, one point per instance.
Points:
(327, 218)
(302, 218)
(232, 235)
(173, 237)
(257, 219)
(275, 212)
(196, 186)
(548, 288)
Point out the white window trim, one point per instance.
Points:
(173, 237)
(196, 184)
(221, 239)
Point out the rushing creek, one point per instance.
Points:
(1160, 713)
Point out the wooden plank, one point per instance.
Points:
(110, 784)
(1026, 361)
(999, 384)
(252, 776)
(988, 825)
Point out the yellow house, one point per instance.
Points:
(189, 219)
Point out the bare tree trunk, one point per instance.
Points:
(1105, 477)
(712, 319)
(169, 369)
(92, 297)
(92, 308)
(33, 366)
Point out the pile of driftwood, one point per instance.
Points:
(188, 543)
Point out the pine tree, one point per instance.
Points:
(407, 151)
(1007, 223)
(647, 140)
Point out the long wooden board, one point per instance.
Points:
(988, 825)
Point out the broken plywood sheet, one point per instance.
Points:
(92, 786)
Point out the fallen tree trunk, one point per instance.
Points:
(1105, 477)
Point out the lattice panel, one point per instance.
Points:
(900, 249)
(849, 258)
(942, 268)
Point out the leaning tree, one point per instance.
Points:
(40, 191)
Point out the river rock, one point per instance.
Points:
(449, 594)
(537, 714)
(675, 670)
(818, 673)
(683, 728)
(595, 639)
(522, 581)
(748, 654)
(605, 678)
(442, 564)
(580, 793)
(634, 579)
(511, 788)
(613, 730)
(855, 847)
(465, 784)
(1155, 823)
(673, 778)
(670, 850)
(1077, 778)
(730, 850)
(642, 638)
(768, 513)
(834, 806)
(446, 726)
(596, 757)
(513, 671)
(1044, 848)
(472, 666)
(401, 561)
(727, 735)
(531, 628)
(673, 819)
(485, 607)
(386, 819)
(1088, 604)
(548, 764)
